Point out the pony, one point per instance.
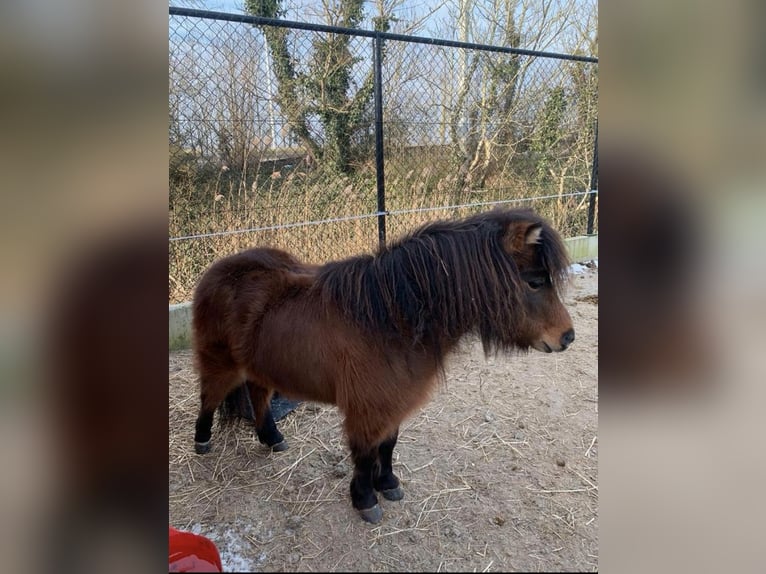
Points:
(370, 333)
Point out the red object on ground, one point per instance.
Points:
(192, 553)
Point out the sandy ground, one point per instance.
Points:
(500, 472)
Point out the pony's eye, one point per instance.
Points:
(536, 283)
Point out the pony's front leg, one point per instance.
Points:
(362, 492)
(384, 479)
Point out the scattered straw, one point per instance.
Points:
(587, 452)
(457, 477)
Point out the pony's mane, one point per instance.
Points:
(443, 280)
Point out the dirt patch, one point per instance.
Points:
(500, 472)
(591, 298)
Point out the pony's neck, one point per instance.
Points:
(438, 285)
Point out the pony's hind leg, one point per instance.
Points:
(213, 390)
(265, 427)
(384, 479)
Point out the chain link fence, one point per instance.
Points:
(325, 141)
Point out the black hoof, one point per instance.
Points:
(279, 447)
(201, 447)
(393, 493)
(372, 515)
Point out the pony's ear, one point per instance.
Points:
(520, 234)
(533, 234)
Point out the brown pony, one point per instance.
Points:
(370, 333)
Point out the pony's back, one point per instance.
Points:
(235, 292)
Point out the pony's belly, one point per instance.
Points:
(295, 371)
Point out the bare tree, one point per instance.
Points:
(505, 103)
(217, 102)
(325, 90)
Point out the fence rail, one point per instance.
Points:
(377, 214)
(324, 140)
(278, 23)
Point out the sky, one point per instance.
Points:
(235, 6)
(438, 22)
(408, 9)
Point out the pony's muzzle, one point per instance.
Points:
(553, 346)
(567, 339)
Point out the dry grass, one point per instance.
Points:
(500, 473)
(219, 206)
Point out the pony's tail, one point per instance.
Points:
(236, 406)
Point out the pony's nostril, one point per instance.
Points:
(567, 338)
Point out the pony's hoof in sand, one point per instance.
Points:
(201, 447)
(279, 447)
(393, 494)
(372, 515)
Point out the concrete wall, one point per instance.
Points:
(583, 248)
(180, 326)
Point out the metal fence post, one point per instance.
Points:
(593, 185)
(381, 185)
